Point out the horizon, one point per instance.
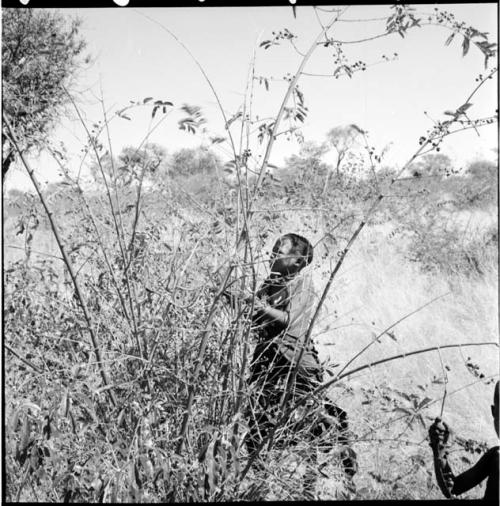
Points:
(135, 58)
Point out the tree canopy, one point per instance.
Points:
(42, 51)
(130, 164)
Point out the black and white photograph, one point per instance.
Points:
(249, 252)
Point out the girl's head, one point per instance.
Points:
(291, 253)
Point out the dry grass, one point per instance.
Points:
(375, 289)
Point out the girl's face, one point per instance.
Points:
(285, 261)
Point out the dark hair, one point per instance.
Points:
(299, 245)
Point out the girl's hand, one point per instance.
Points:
(439, 434)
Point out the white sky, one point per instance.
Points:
(135, 58)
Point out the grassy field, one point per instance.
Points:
(377, 288)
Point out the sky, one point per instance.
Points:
(134, 57)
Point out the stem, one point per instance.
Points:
(22, 359)
(404, 355)
(67, 261)
(445, 379)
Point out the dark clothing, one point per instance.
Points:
(274, 360)
(295, 297)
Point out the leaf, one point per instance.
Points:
(391, 335)
(465, 46)
(217, 139)
(438, 381)
(232, 119)
(14, 420)
(20, 228)
(25, 434)
(356, 127)
(404, 395)
(403, 410)
(464, 107)
(147, 99)
(64, 404)
(137, 475)
(424, 402)
(449, 39)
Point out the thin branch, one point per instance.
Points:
(404, 355)
(21, 358)
(445, 379)
(375, 339)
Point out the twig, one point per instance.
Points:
(375, 339)
(402, 355)
(445, 379)
(22, 359)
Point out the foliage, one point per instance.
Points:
(343, 139)
(432, 164)
(41, 54)
(198, 161)
(483, 169)
(132, 164)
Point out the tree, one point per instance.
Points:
(130, 164)
(342, 139)
(307, 164)
(432, 164)
(42, 51)
(151, 158)
(484, 170)
(194, 161)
